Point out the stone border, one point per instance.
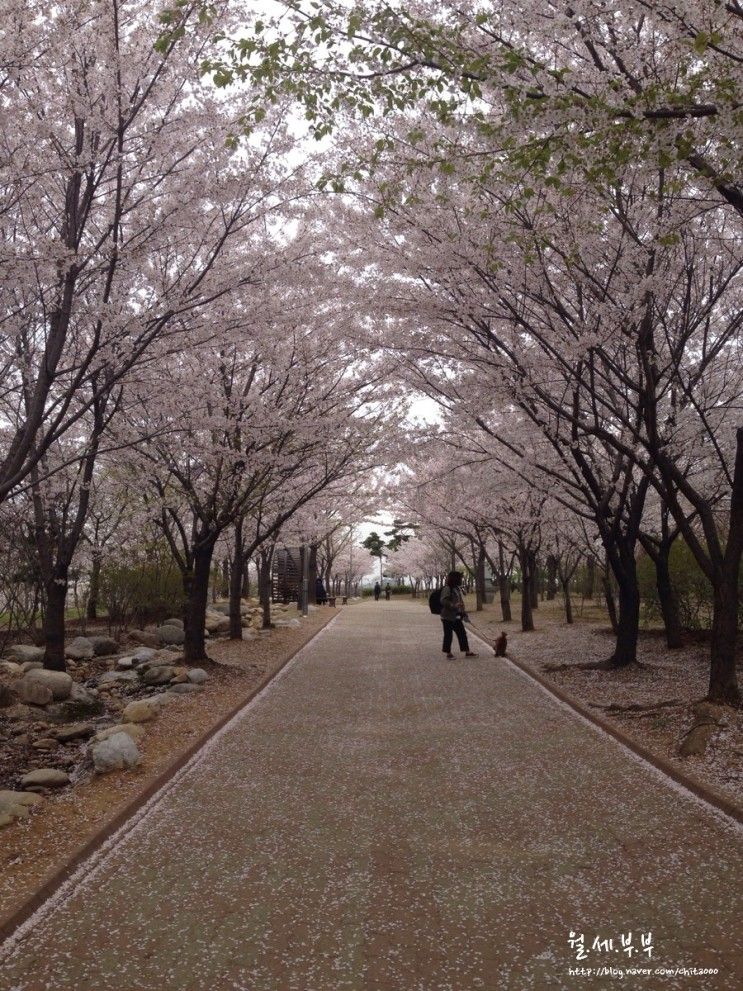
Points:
(49, 887)
(707, 794)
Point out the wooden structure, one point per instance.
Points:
(286, 575)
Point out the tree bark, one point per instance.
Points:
(534, 586)
(265, 559)
(611, 606)
(589, 584)
(568, 601)
(723, 682)
(196, 589)
(54, 621)
(628, 622)
(527, 563)
(94, 586)
(551, 577)
(312, 576)
(667, 597)
(504, 584)
(236, 584)
(480, 578)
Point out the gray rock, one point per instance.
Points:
(16, 805)
(11, 667)
(125, 663)
(135, 731)
(161, 658)
(7, 696)
(220, 607)
(75, 731)
(18, 711)
(31, 666)
(45, 743)
(171, 634)
(80, 649)
(143, 654)
(144, 637)
(215, 626)
(34, 692)
(198, 676)
(21, 652)
(161, 699)
(45, 777)
(104, 646)
(185, 689)
(117, 753)
(59, 683)
(159, 675)
(82, 704)
(695, 742)
(173, 622)
(141, 711)
(114, 677)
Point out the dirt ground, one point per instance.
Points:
(655, 703)
(34, 848)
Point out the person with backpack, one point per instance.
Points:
(377, 591)
(449, 604)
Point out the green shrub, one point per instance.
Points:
(693, 590)
(142, 591)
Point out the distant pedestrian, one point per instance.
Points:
(377, 591)
(321, 596)
(453, 613)
(387, 593)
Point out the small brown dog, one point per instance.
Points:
(500, 645)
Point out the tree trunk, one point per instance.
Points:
(669, 606)
(527, 562)
(196, 588)
(480, 578)
(504, 584)
(567, 600)
(551, 577)
(534, 585)
(504, 588)
(94, 586)
(236, 584)
(264, 586)
(246, 579)
(628, 623)
(723, 684)
(589, 583)
(54, 621)
(611, 606)
(312, 576)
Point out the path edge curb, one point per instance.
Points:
(720, 802)
(12, 921)
(707, 794)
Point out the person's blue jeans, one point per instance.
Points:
(452, 626)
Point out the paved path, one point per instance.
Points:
(383, 819)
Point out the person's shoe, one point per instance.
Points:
(450, 657)
(471, 653)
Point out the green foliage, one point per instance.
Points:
(142, 591)
(692, 588)
(374, 544)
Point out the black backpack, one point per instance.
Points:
(434, 602)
